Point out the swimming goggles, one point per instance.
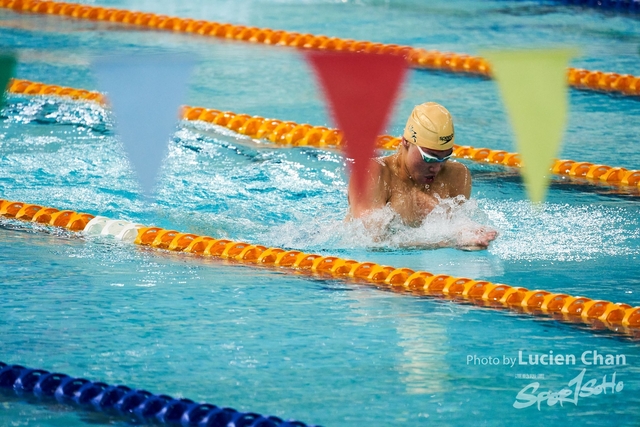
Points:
(432, 159)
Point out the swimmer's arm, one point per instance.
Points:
(472, 239)
(483, 236)
(466, 240)
(451, 243)
(424, 245)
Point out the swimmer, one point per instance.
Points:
(414, 179)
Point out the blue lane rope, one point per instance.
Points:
(631, 6)
(140, 405)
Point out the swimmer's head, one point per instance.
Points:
(430, 125)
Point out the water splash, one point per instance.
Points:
(562, 232)
(48, 110)
(451, 221)
(556, 232)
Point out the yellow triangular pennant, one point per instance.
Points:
(533, 84)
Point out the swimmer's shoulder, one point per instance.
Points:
(459, 178)
(455, 170)
(456, 167)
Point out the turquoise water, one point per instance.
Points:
(321, 351)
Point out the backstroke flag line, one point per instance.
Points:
(145, 93)
(360, 90)
(534, 85)
(7, 68)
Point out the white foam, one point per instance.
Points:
(449, 221)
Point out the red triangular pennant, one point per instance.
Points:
(360, 89)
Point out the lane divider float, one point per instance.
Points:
(125, 401)
(625, 84)
(627, 6)
(295, 134)
(599, 314)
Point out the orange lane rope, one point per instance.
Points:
(291, 133)
(27, 87)
(599, 314)
(625, 84)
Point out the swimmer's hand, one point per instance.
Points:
(475, 239)
(467, 239)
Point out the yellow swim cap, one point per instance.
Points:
(430, 125)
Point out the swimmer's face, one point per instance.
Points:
(423, 172)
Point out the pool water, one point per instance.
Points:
(322, 351)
